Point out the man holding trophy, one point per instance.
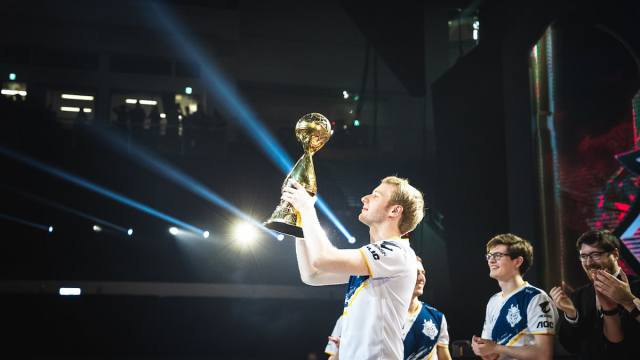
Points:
(381, 275)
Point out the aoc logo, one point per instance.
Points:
(545, 325)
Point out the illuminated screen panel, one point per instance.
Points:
(583, 83)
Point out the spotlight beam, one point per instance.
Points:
(81, 214)
(95, 188)
(170, 172)
(24, 222)
(231, 102)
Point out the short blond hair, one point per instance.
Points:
(410, 199)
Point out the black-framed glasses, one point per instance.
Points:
(496, 256)
(595, 256)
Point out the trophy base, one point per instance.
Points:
(284, 228)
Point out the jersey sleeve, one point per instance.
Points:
(331, 347)
(384, 259)
(443, 339)
(542, 315)
(486, 327)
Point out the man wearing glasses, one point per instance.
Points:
(520, 320)
(598, 321)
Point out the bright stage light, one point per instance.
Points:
(13, 92)
(97, 228)
(205, 234)
(188, 90)
(70, 108)
(77, 97)
(69, 291)
(12, 76)
(130, 232)
(50, 229)
(345, 94)
(245, 234)
(352, 240)
(173, 230)
(131, 101)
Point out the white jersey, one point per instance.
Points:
(331, 348)
(425, 315)
(375, 306)
(515, 319)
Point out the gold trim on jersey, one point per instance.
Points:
(366, 261)
(364, 285)
(517, 337)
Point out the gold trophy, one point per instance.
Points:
(312, 131)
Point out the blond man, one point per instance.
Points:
(380, 276)
(425, 333)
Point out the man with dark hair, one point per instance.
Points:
(596, 322)
(519, 321)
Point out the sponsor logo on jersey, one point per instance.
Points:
(388, 245)
(373, 252)
(544, 306)
(545, 324)
(382, 248)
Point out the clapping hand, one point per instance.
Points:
(563, 301)
(617, 291)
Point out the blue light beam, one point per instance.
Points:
(81, 214)
(229, 99)
(187, 182)
(231, 102)
(26, 222)
(96, 188)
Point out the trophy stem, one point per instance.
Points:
(285, 219)
(304, 173)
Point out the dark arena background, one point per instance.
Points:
(144, 143)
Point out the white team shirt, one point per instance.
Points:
(331, 348)
(376, 306)
(443, 337)
(515, 319)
